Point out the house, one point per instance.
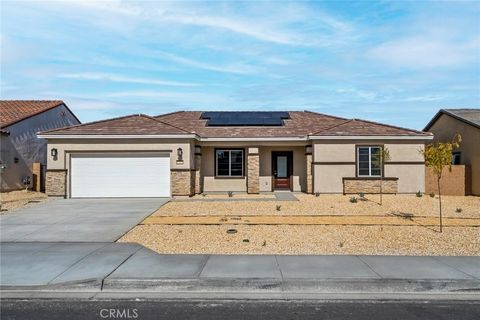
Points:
(191, 152)
(21, 150)
(465, 177)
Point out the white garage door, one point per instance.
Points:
(120, 175)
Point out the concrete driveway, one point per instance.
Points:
(77, 220)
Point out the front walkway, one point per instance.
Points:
(84, 220)
(124, 266)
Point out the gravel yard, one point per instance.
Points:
(18, 199)
(330, 205)
(288, 239)
(315, 239)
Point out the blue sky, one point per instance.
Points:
(390, 61)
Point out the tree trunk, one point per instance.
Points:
(440, 202)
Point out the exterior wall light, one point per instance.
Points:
(179, 154)
(54, 153)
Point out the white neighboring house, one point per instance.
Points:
(20, 147)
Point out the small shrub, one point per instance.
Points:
(419, 194)
(204, 195)
(458, 210)
(246, 240)
(264, 244)
(230, 194)
(317, 194)
(340, 244)
(432, 194)
(361, 195)
(353, 200)
(279, 207)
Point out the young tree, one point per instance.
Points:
(438, 156)
(384, 156)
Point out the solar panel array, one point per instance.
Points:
(245, 118)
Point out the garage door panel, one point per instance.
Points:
(120, 176)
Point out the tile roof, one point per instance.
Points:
(13, 111)
(300, 124)
(470, 116)
(138, 124)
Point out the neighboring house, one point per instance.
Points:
(20, 120)
(445, 125)
(186, 153)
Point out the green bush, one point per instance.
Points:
(230, 194)
(317, 194)
(353, 200)
(458, 210)
(432, 194)
(419, 194)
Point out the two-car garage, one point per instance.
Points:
(120, 175)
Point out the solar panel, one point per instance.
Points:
(245, 118)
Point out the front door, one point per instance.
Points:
(282, 169)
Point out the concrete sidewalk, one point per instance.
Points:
(131, 267)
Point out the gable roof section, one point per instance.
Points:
(469, 116)
(13, 111)
(359, 127)
(127, 125)
(301, 125)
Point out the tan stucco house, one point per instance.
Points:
(20, 120)
(190, 152)
(445, 125)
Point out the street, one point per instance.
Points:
(237, 309)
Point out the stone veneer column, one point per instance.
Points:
(309, 159)
(55, 183)
(253, 170)
(198, 170)
(182, 182)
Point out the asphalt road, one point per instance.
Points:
(237, 309)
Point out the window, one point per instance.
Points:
(456, 156)
(229, 163)
(368, 162)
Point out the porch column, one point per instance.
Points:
(253, 170)
(309, 157)
(198, 170)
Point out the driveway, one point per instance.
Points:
(77, 220)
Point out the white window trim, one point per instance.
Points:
(369, 162)
(229, 162)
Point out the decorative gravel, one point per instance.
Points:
(330, 205)
(13, 200)
(305, 239)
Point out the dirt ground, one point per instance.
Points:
(288, 239)
(330, 205)
(315, 239)
(13, 200)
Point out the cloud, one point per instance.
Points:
(425, 52)
(237, 68)
(126, 79)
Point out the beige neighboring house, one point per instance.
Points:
(20, 147)
(445, 125)
(190, 152)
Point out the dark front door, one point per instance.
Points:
(282, 169)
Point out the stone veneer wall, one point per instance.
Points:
(358, 185)
(309, 170)
(198, 174)
(183, 182)
(457, 182)
(55, 183)
(253, 169)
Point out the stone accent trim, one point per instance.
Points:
(309, 170)
(369, 185)
(253, 171)
(198, 183)
(182, 182)
(56, 183)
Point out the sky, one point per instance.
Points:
(396, 62)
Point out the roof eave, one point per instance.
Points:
(117, 136)
(448, 113)
(371, 137)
